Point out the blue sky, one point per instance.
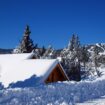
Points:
(52, 21)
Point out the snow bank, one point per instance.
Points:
(98, 101)
(66, 93)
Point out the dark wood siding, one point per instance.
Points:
(56, 75)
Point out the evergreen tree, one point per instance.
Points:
(49, 53)
(95, 58)
(74, 43)
(74, 47)
(84, 56)
(77, 43)
(42, 51)
(71, 44)
(71, 58)
(26, 45)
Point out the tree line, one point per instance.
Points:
(75, 58)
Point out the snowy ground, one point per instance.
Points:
(86, 92)
(67, 93)
(99, 101)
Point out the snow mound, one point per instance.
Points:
(66, 93)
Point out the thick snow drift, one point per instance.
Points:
(66, 93)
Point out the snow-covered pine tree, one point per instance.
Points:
(77, 43)
(49, 53)
(84, 57)
(26, 45)
(71, 44)
(42, 51)
(95, 60)
(71, 58)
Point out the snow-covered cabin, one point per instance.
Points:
(19, 67)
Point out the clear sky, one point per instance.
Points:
(52, 21)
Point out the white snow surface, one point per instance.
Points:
(97, 101)
(61, 93)
(9, 57)
(13, 71)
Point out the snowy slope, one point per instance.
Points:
(98, 101)
(61, 93)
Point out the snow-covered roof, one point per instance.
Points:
(12, 70)
(6, 57)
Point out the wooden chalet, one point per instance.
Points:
(19, 67)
